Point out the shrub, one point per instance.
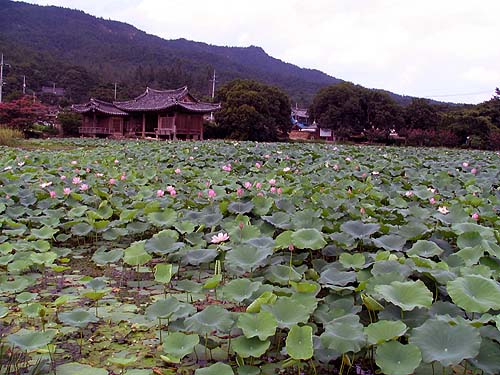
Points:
(9, 136)
(70, 121)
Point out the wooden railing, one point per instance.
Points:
(94, 130)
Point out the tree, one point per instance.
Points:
(253, 111)
(70, 121)
(420, 114)
(22, 113)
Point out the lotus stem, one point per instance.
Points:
(465, 368)
(159, 327)
(313, 367)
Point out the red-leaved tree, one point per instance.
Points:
(22, 113)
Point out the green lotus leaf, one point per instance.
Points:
(163, 243)
(250, 347)
(391, 242)
(77, 211)
(163, 309)
(358, 229)
(344, 334)
(165, 218)
(394, 358)
(308, 238)
(77, 318)
(212, 318)
(216, 369)
(163, 273)
(444, 343)
(45, 259)
(45, 233)
(469, 239)
(384, 330)
(332, 276)
(81, 229)
(248, 370)
(136, 255)
(123, 361)
(262, 205)
(184, 227)
(4, 311)
(287, 312)
(212, 282)
(261, 325)
(245, 258)
(199, 256)
(488, 359)
(128, 215)
(74, 368)
(426, 249)
(239, 290)
(407, 295)
(41, 246)
(299, 343)
(240, 207)
(475, 293)
(280, 220)
(105, 257)
(284, 240)
(265, 298)
(179, 344)
(281, 274)
(15, 286)
(354, 261)
(29, 341)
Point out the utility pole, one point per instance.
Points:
(213, 95)
(115, 91)
(24, 85)
(1, 78)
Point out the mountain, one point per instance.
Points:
(86, 55)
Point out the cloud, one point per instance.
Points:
(415, 48)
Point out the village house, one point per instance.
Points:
(303, 128)
(168, 114)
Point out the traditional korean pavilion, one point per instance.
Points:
(156, 113)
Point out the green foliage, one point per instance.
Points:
(9, 136)
(70, 121)
(253, 111)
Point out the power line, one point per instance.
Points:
(462, 94)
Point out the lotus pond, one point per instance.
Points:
(243, 258)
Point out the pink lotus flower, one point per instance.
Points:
(76, 180)
(45, 184)
(123, 177)
(248, 185)
(200, 194)
(239, 192)
(177, 171)
(336, 167)
(279, 191)
(191, 158)
(67, 191)
(211, 193)
(432, 201)
(473, 171)
(348, 159)
(443, 209)
(272, 181)
(286, 169)
(220, 237)
(258, 185)
(362, 211)
(170, 188)
(99, 174)
(172, 193)
(63, 178)
(84, 187)
(160, 193)
(260, 194)
(117, 161)
(227, 168)
(112, 181)
(409, 193)
(74, 162)
(258, 165)
(475, 216)
(52, 194)
(267, 156)
(273, 189)
(87, 170)
(465, 164)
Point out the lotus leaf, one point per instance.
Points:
(105, 257)
(426, 249)
(394, 358)
(384, 330)
(287, 312)
(358, 229)
(246, 258)
(74, 368)
(240, 207)
(199, 256)
(444, 343)
(212, 318)
(488, 359)
(261, 325)
(163, 273)
(239, 290)
(78, 318)
(344, 334)
(250, 347)
(265, 298)
(216, 369)
(355, 261)
(178, 344)
(407, 295)
(165, 218)
(29, 341)
(81, 229)
(299, 343)
(136, 255)
(475, 293)
(308, 239)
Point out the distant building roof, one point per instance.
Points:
(156, 100)
(96, 105)
(300, 112)
(59, 91)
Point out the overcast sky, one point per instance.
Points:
(442, 49)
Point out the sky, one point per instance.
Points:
(442, 49)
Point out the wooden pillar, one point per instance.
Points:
(175, 126)
(144, 125)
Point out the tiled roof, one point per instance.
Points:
(96, 105)
(299, 112)
(156, 100)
